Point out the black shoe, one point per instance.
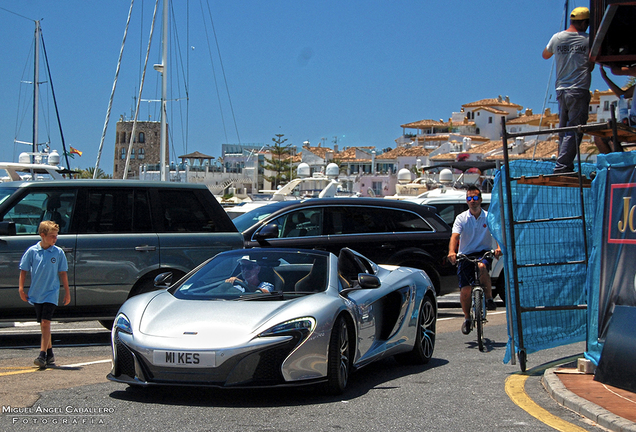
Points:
(50, 360)
(490, 305)
(40, 361)
(467, 326)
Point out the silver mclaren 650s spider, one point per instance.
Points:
(274, 317)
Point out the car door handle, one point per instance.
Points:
(146, 248)
(67, 249)
(387, 246)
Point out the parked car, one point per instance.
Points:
(449, 202)
(117, 235)
(326, 317)
(388, 232)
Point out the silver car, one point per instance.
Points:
(311, 318)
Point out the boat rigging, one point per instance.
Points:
(38, 148)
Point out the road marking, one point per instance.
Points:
(16, 370)
(515, 389)
(87, 363)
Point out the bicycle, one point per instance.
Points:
(478, 305)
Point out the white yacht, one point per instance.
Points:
(318, 185)
(43, 166)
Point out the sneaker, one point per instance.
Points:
(490, 305)
(467, 326)
(40, 361)
(50, 360)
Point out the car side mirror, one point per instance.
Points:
(267, 232)
(368, 281)
(7, 228)
(163, 280)
(365, 281)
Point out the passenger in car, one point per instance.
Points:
(251, 274)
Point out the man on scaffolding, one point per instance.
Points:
(571, 50)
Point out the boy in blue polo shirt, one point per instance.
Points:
(48, 266)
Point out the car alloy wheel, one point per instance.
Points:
(339, 364)
(427, 322)
(424, 344)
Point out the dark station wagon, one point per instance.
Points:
(385, 231)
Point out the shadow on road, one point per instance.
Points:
(489, 344)
(370, 378)
(59, 339)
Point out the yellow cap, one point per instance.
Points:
(580, 13)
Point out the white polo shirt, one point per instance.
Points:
(474, 235)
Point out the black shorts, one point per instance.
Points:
(466, 269)
(44, 311)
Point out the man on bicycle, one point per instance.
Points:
(470, 236)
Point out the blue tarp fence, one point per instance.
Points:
(546, 243)
(618, 161)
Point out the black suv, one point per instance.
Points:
(385, 231)
(117, 235)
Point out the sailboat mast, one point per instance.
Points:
(164, 91)
(36, 89)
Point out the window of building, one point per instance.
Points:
(132, 153)
(606, 106)
(377, 188)
(141, 154)
(490, 119)
(123, 153)
(142, 137)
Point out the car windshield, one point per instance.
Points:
(257, 274)
(246, 220)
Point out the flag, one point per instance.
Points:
(75, 151)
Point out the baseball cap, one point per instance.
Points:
(245, 259)
(580, 13)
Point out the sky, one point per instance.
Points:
(322, 71)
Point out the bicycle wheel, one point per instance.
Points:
(478, 304)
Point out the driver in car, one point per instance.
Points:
(251, 282)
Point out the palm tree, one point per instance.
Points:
(88, 173)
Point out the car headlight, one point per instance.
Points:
(122, 323)
(304, 326)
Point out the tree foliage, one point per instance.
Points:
(88, 173)
(281, 161)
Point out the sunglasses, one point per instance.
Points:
(473, 198)
(248, 266)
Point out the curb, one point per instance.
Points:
(587, 409)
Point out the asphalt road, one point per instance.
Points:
(461, 389)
